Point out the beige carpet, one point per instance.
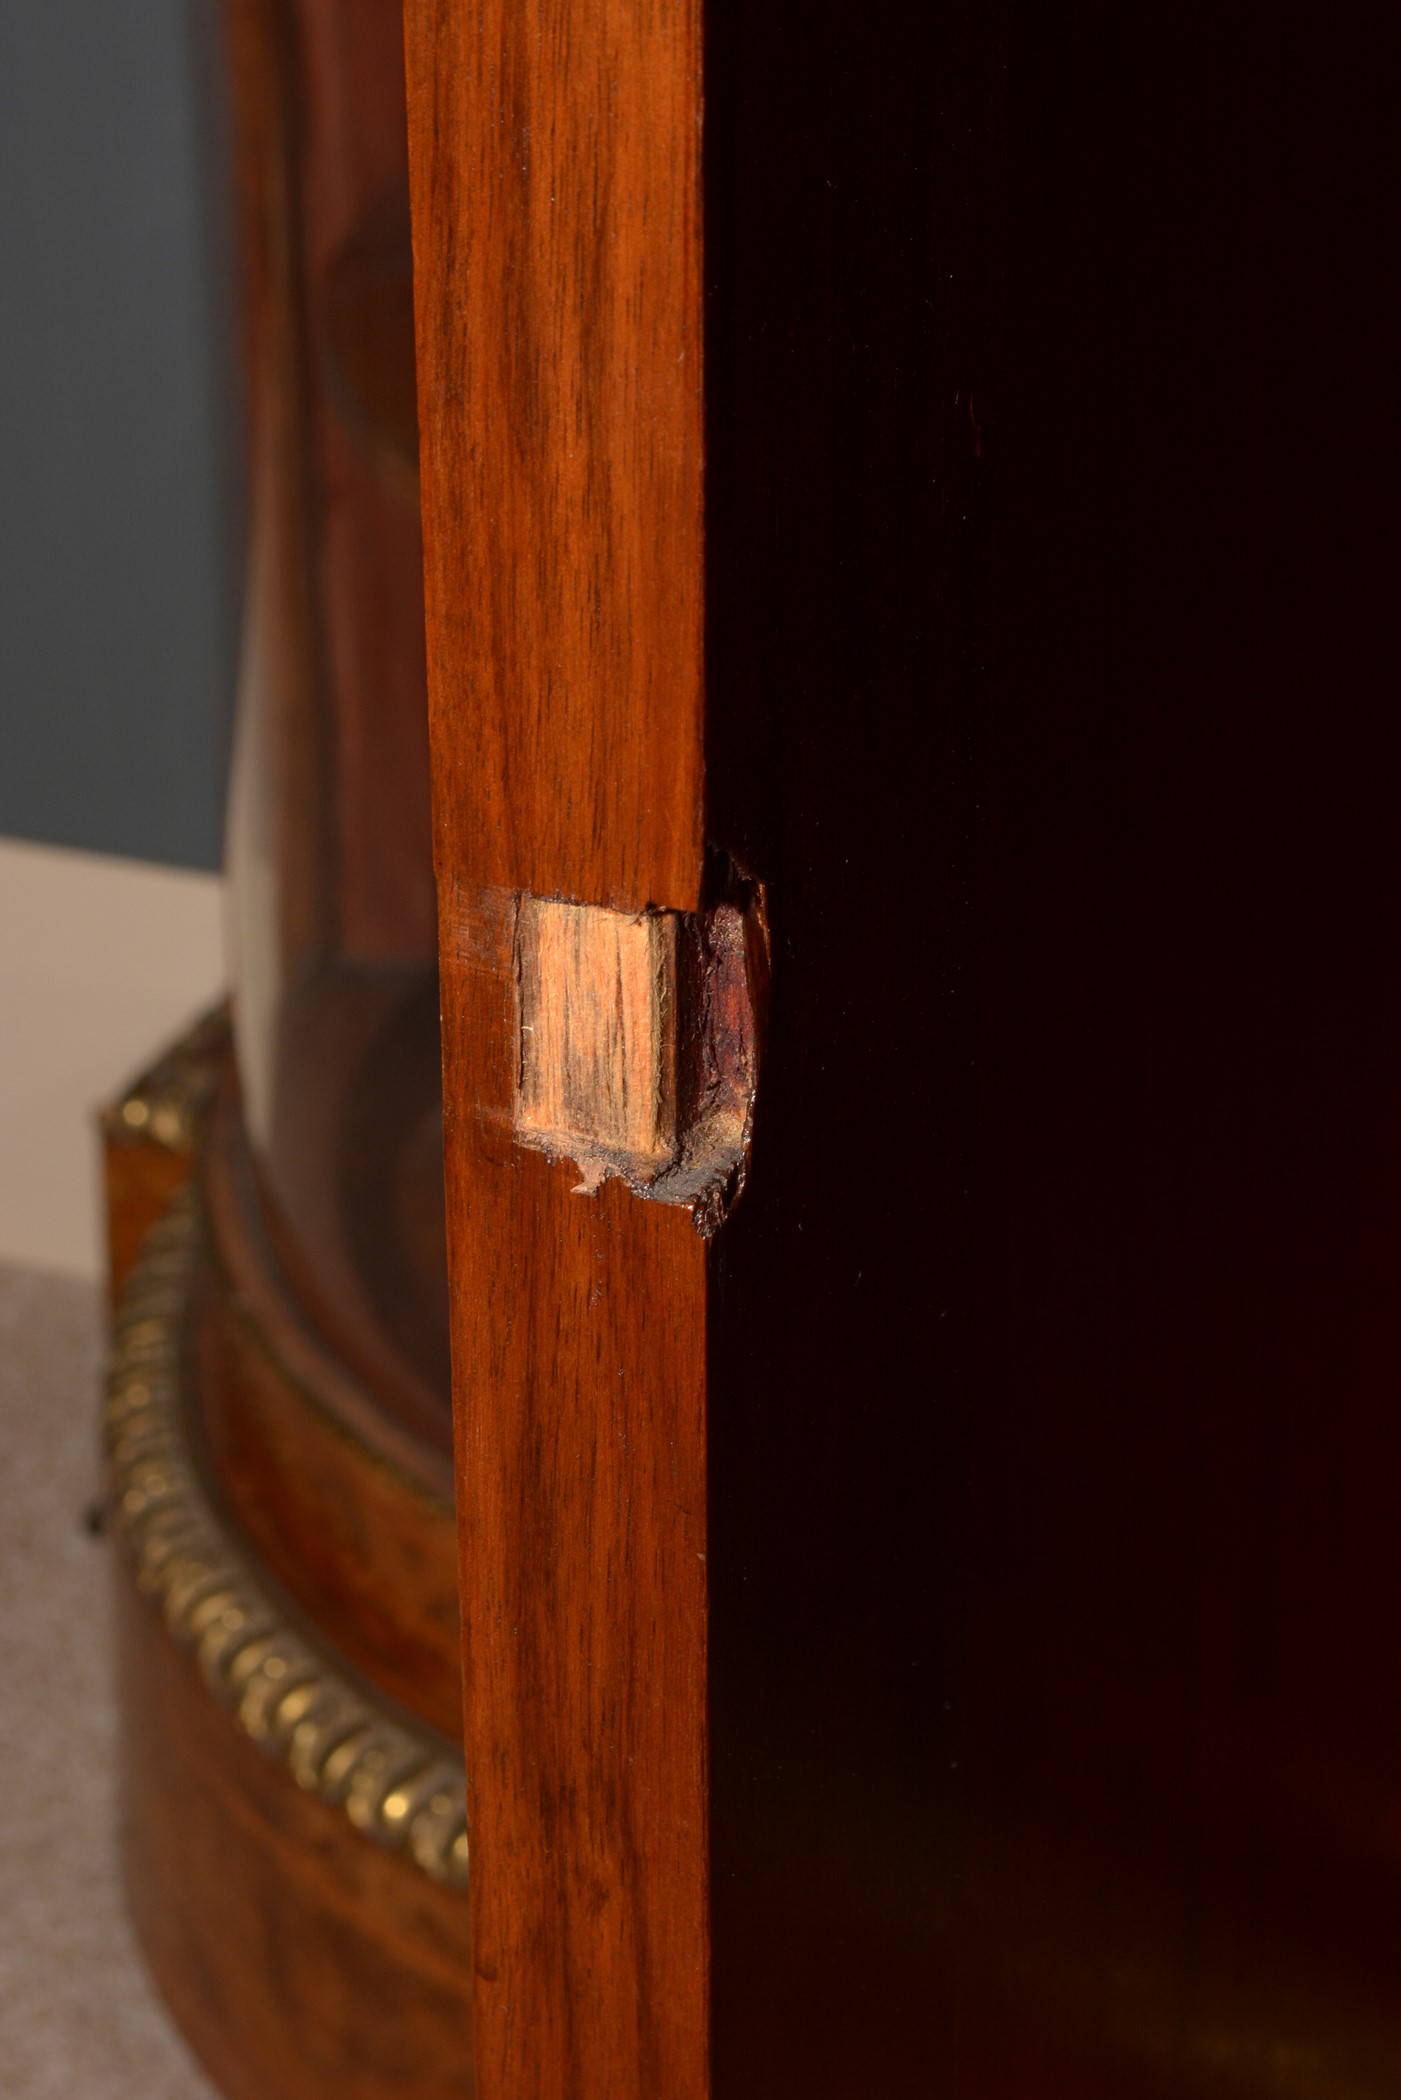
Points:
(79, 2019)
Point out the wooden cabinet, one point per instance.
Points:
(909, 521)
(279, 1422)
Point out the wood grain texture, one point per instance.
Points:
(579, 1377)
(555, 162)
(554, 158)
(300, 1961)
(638, 1040)
(282, 730)
(596, 998)
(344, 1507)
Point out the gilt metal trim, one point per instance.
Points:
(397, 1785)
(167, 1104)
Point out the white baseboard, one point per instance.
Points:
(102, 962)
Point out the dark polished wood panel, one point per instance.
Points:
(847, 642)
(1053, 525)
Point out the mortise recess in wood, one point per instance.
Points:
(637, 1051)
(596, 1006)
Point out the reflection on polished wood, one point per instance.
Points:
(347, 1180)
(370, 339)
(290, 1575)
(289, 1669)
(286, 1694)
(348, 1506)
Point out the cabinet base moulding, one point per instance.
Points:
(293, 1832)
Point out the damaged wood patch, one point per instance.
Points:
(636, 1049)
(596, 998)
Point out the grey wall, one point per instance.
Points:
(117, 598)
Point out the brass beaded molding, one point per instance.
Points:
(395, 1784)
(167, 1105)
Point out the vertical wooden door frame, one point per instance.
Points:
(555, 173)
(1049, 700)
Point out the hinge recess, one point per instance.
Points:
(637, 1052)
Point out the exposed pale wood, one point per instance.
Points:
(638, 1044)
(596, 999)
